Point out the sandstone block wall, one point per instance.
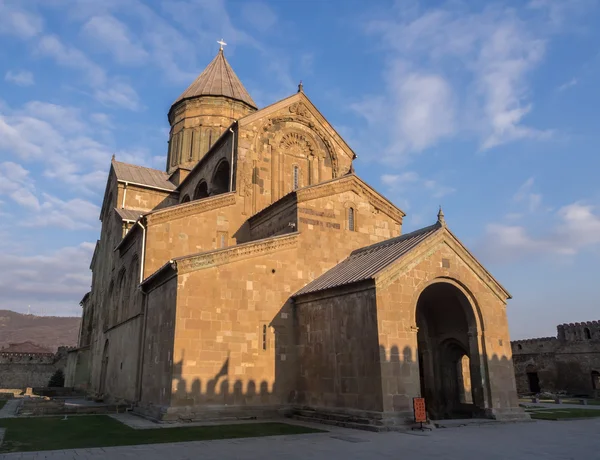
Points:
(338, 351)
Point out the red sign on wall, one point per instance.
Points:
(420, 411)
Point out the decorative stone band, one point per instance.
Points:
(191, 208)
(240, 252)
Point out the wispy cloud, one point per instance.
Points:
(62, 142)
(19, 22)
(527, 196)
(572, 82)
(53, 282)
(453, 72)
(575, 227)
(19, 77)
(108, 33)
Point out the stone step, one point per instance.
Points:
(335, 417)
(340, 423)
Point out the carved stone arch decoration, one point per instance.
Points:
(296, 144)
(312, 126)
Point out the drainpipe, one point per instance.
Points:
(142, 342)
(142, 346)
(231, 166)
(143, 251)
(124, 195)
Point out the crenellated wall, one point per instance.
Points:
(23, 370)
(569, 362)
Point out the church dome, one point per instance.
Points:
(218, 79)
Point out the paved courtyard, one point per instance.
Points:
(576, 439)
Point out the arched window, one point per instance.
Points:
(185, 199)
(220, 179)
(201, 191)
(296, 177)
(520, 347)
(351, 219)
(122, 297)
(587, 333)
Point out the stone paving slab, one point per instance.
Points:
(537, 440)
(10, 408)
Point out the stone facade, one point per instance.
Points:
(569, 362)
(193, 311)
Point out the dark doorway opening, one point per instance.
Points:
(448, 353)
(534, 382)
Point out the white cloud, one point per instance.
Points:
(111, 92)
(53, 282)
(525, 195)
(75, 214)
(61, 140)
(411, 181)
(16, 183)
(259, 15)
(577, 226)
(454, 71)
(108, 33)
(572, 82)
(19, 77)
(17, 22)
(68, 56)
(119, 94)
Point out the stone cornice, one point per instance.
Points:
(191, 208)
(235, 253)
(350, 183)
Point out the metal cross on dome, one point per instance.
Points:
(222, 43)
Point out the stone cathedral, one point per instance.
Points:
(258, 275)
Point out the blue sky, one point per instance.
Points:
(487, 108)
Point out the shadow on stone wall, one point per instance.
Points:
(223, 395)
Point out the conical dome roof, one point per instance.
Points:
(218, 79)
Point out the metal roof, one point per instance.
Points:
(365, 263)
(129, 214)
(141, 175)
(218, 79)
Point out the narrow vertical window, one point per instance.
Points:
(295, 174)
(587, 333)
(191, 153)
(351, 219)
(209, 138)
(264, 337)
(222, 239)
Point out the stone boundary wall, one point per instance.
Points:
(24, 370)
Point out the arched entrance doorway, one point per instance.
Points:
(448, 351)
(103, 369)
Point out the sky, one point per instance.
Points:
(490, 109)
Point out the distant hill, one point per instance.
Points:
(46, 331)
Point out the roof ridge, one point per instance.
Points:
(396, 239)
(142, 167)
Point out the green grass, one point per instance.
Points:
(562, 414)
(50, 433)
